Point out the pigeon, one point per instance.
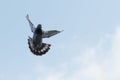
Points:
(35, 43)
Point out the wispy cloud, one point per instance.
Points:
(101, 62)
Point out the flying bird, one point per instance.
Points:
(35, 43)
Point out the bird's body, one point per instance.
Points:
(37, 37)
(36, 45)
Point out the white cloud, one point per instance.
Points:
(101, 62)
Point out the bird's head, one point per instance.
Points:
(39, 26)
(38, 29)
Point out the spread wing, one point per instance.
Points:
(47, 34)
(30, 23)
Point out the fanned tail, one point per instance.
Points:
(39, 51)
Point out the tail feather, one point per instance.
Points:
(39, 51)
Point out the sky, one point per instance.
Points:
(87, 49)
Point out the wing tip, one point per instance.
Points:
(61, 30)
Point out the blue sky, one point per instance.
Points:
(88, 49)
